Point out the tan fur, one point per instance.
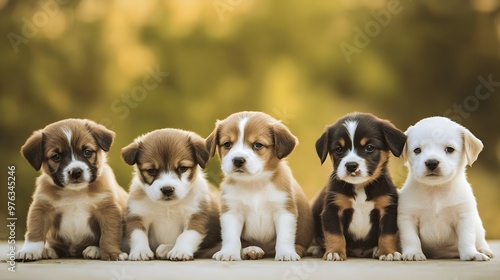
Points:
(110, 198)
(363, 141)
(342, 201)
(384, 158)
(381, 203)
(335, 243)
(387, 244)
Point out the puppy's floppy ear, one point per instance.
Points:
(284, 140)
(394, 138)
(32, 150)
(103, 136)
(129, 153)
(404, 153)
(199, 149)
(322, 146)
(212, 140)
(472, 146)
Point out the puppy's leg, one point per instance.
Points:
(481, 244)
(410, 242)
(286, 227)
(137, 234)
(252, 253)
(40, 219)
(186, 244)
(335, 243)
(467, 235)
(110, 218)
(388, 239)
(231, 227)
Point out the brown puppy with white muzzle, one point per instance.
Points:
(172, 209)
(78, 206)
(263, 206)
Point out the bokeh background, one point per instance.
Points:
(136, 66)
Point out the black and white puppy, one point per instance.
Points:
(356, 212)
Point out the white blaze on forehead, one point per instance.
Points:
(351, 127)
(241, 137)
(69, 135)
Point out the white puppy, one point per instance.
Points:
(437, 213)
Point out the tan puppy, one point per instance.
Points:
(172, 209)
(78, 206)
(262, 204)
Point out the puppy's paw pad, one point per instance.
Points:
(287, 256)
(315, 251)
(396, 256)
(49, 253)
(180, 255)
(144, 254)
(227, 256)
(252, 253)
(474, 257)
(92, 252)
(487, 252)
(28, 255)
(418, 256)
(162, 251)
(334, 256)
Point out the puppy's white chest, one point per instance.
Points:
(360, 224)
(166, 226)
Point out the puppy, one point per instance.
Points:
(356, 212)
(262, 204)
(438, 215)
(78, 206)
(171, 208)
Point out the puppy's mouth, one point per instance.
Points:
(433, 174)
(356, 173)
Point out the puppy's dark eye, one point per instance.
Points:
(87, 153)
(227, 145)
(417, 151)
(369, 148)
(257, 146)
(339, 150)
(56, 157)
(182, 169)
(449, 150)
(152, 172)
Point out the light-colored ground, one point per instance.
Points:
(308, 268)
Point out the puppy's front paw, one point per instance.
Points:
(334, 256)
(252, 253)
(92, 252)
(142, 254)
(315, 251)
(49, 253)
(475, 256)
(414, 256)
(162, 251)
(290, 255)
(227, 256)
(396, 256)
(29, 255)
(113, 256)
(487, 252)
(180, 255)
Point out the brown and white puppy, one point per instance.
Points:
(172, 210)
(78, 206)
(356, 212)
(262, 204)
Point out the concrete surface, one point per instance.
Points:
(308, 268)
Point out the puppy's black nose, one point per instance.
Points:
(432, 164)
(351, 166)
(238, 161)
(168, 191)
(76, 173)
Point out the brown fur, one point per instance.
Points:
(43, 218)
(335, 244)
(387, 244)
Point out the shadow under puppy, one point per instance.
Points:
(171, 209)
(78, 207)
(263, 207)
(356, 212)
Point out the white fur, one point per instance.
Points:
(360, 225)
(182, 187)
(86, 175)
(167, 220)
(256, 207)
(438, 214)
(361, 174)
(253, 165)
(31, 251)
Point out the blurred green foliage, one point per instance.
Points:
(94, 59)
